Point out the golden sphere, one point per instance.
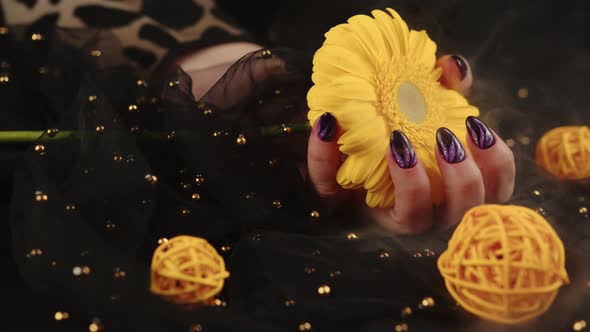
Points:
(504, 263)
(565, 152)
(187, 269)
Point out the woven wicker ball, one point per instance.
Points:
(504, 263)
(565, 152)
(187, 269)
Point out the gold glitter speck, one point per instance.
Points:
(324, 290)
(92, 98)
(199, 179)
(173, 83)
(40, 196)
(37, 36)
(401, 327)
(315, 214)
(305, 326)
(208, 111)
(61, 315)
(162, 240)
(277, 204)
(96, 53)
(428, 302)
(40, 148)
(225, 248)
(522, 93)
(151, 179)
(579, 325)
(241, 140)
(196, 197)
(99, 129)
(352, 236)
(407, 311)
(132, 108)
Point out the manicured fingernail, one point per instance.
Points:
(461, 64)
(480, 134)
(327, 129)
(449, 146)
(402, 150)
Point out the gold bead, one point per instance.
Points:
(401, 327)
(135, 130)
(141, 83)
(266, 53)
(536, 193)
(77, 271)
(352, 236)
(51, 132)
(86, 270)
(201, 105)
(277, 204)
(196, 197)
(37, 36)
(40, 196)
(91, 98)
(162, 240)
(407, 311)
(315, 214)
(4, 78)
(324, 290)
(579, 325)
(151, 179)
(199, 179)
(185, 212)
(59, 315)
(96, 53)
(510, 142)
(241, 140)
(524, 140)
(118, 273)
(132, 108)
(173, 83)
(289, 303)
(428, 302)
(39, 148)
(99, 129)
(305, 326)
(428, 252)
(117, 156)
(583, 210)
(286, 129)
(383, 254)
(225, 248)
(93, 327)
(3, 30)
(196, 328)
(208, 111)
(277, 92)
(522, 93)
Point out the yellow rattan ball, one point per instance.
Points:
(565, 152)
(504, 263)
(187, 269)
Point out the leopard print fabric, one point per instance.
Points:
(146, 29)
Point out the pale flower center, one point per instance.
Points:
(411, 102)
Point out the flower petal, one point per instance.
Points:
(403, 33)
(343, 88)
(381, 198)
(422, 49)
(333, 62)
(379, 177)
(385, 24)
(341, 35)
(366, 30)
(354, 171)
(365, 137)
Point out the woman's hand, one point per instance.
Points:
(485, 175)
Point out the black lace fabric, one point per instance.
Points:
(128, 161)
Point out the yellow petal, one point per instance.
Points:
(333, 62)
(382, 198)
(352, 112)
(366, 30)
(341, 36)
(403, 33)
(385, 24)
(364, 137)
(345, 88)
(379, 178)
(354, 170)
(422, 49)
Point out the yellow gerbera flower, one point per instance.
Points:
(375, 76)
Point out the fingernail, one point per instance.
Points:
(327, 129)
(449, 146)
(402, 150)
(462, 64)
(480, 134)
